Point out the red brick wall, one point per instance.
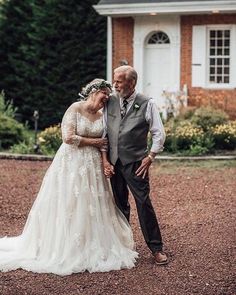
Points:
(122, 43)
(224, 99)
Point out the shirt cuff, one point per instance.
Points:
(157, 150)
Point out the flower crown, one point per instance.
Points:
(93, 86)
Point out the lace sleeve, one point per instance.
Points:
(68, 127)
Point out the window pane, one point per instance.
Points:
(212, 51)
(159, 38)
(227, 33)
(219, 79)
(219, 43)
(212, 34)
(212, 70)
(226, 79)
(219, 61)
(212, 43)
(212, 61)
(212, 78)
(226, 70)
(226, 61)
(219, 51)
(219, 70)
(226, 43)
(219, 34)
(226, 51)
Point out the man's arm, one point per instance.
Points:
(157, 131)
(156, 127)
(108, 168)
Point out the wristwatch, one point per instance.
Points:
(151, 157)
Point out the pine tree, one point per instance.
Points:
(49, 50)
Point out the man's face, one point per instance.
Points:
(123, 87)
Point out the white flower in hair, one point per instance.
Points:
(93, 86)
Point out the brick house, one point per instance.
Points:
(174, 45)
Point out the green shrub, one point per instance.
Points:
(170, 142)
(225, 135)
(207, 117)
(11, 131)
(187, 112)
(202, 145)
(186, 134)
(200, 131)
(24, 147)
(197, 150)
(6, 107)
(50, 140)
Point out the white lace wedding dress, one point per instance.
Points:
(74, 224)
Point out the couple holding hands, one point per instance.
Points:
(80, 218)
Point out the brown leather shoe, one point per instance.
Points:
(160, 258)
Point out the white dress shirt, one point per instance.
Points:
(152, 117)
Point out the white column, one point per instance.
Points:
(138, 54)
(109, 49)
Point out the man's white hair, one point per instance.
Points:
(130, 73)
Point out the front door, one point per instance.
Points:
(157, 68)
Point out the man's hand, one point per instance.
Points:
(108, 169)
(144, 167)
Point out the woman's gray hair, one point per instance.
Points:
(93, 86)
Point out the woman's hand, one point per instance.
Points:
(108, 168)
(99, 142)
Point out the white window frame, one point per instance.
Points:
(232, 57)
(154, 33)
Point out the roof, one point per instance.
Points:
(147, 1)
(145, 7)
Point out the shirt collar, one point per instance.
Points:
(130, 98)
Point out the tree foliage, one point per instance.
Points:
(49, 50)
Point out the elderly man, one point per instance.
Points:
(129, 117)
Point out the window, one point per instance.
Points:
(219, 56)
(213, 56)
(159, 38)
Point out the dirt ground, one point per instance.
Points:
(194, 204)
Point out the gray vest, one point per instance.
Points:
(128, 136)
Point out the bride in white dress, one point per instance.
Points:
(74, 224)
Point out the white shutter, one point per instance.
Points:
(199, 56)
(233, 57)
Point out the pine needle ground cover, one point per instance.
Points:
(194, 203)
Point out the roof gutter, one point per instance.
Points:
(196, 7)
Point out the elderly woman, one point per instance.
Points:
(74, 224)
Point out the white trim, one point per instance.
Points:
(109, 49)
(143, 27)
(164, 8)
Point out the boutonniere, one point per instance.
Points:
(136, 107)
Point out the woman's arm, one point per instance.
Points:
(68, 128)
(108, 168)
(97, 142)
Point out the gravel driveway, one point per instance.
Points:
(194, 204)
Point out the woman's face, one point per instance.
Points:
(101, 97)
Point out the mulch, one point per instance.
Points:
(195, 211)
